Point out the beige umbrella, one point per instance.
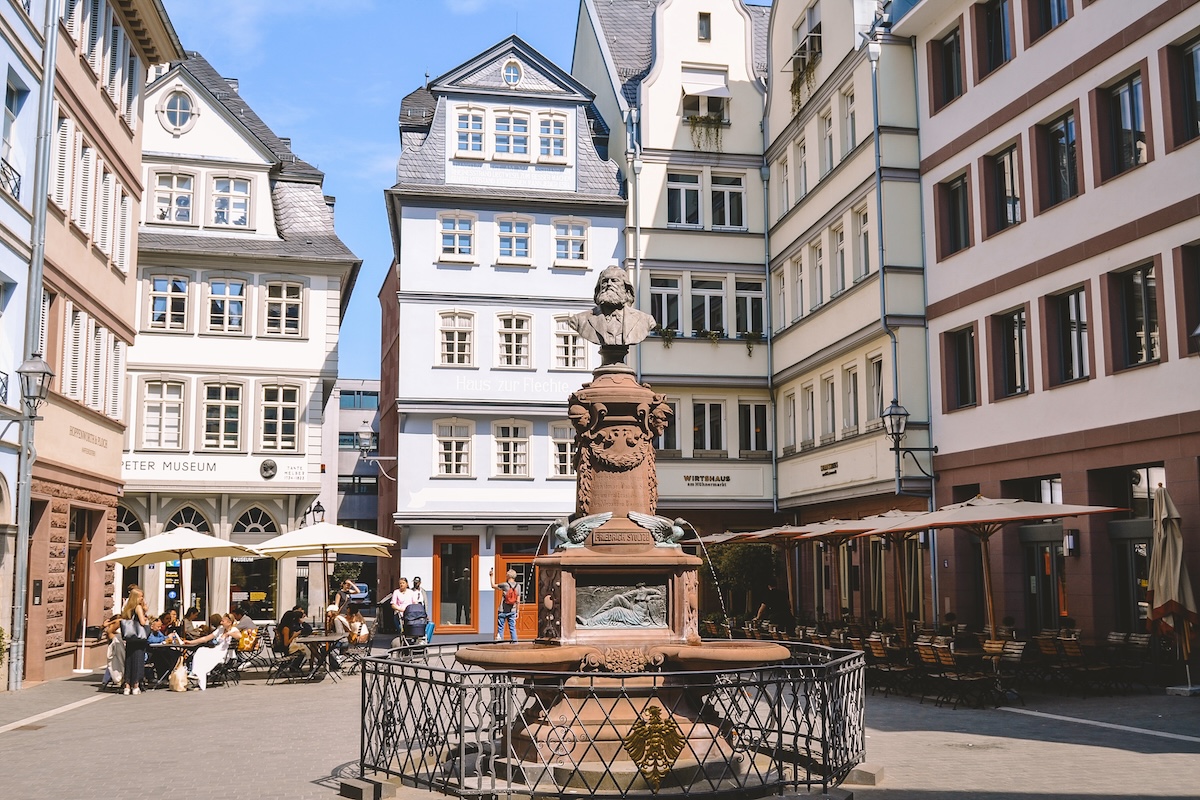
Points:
(1170, 592)
(323, 538)
(897, 539)
(984, 517)
(835, 532)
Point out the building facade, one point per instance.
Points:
(684, 83)
(241, 286)
(502, 217)
(87, 316)
(1062, 243)
(848, 338)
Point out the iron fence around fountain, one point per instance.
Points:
(432, 723)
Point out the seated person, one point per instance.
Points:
(219, 641)
(156, 632)
(337, 625)
(360, 633)
(288, 631)
(191, 629)
(171, 624)
(242, 621)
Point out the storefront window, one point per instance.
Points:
(252, 583)
(455, 590)
(1132, 563)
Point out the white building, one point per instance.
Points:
(242, 284)
(502, 217)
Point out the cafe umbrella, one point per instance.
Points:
(323, 538)
(984, 517)
(1170, 593)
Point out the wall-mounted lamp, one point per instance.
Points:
(895, 421)
(885, 544)
(1071, 542)
(316, 511)
(368, 442)
(923, 540)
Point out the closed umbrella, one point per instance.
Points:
(1170, 595)
(984, 517)
(323, 538)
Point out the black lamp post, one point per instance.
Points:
(895, 423)
(35, 376)
(317, 511)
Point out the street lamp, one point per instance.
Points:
(895, 422)
(35, 376)
(316, 510)
(368, 443)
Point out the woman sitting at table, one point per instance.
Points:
(170, 623)
(288, 631)
(223, 636)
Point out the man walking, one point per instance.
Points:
(509, 600)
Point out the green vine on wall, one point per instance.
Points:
(706, 131)
(804, 80)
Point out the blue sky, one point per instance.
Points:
(331, 74)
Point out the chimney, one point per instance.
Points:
(233, 83)
(287, 141)
(330, 202)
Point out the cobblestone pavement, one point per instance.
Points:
(293, 742)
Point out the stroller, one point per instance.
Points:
(415, 633)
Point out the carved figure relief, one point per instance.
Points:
(639, 606)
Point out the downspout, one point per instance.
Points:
(33, 320)
(768, 321)
(633, 155)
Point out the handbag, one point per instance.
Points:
(132, 628)
(179, 679)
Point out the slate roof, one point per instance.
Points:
(416, 110)
(628, 27)
(288, 163)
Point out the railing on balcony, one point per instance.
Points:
(10, 179)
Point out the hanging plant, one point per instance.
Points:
(804, 80)
(666, 334)
(712, 336)
(706, 131)
(751, 338)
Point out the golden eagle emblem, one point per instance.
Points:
(654, 744)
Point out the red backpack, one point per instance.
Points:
(510, 595)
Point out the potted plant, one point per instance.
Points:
(666, 334)
(713, 336)
(751, 338)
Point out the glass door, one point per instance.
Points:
(1132, 562)
(455, 566)
(517, 555)
(1046, 576)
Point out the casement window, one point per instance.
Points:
(168, 302)
(1068, 336)
(552, 137)
(178, 111)
(849, 132)
(808, 416)
(946, 64)
(683, 199)
(789, 423)
(1120, 127)
(707, 427)
(961, 372)
(801, 170)
(63, 155)
(667, 442)
(162, 415)
(570, 351)
(365, 400)
(664, 302)
(704, 27)
(1002, 190)
(231, 202)
(708, 305)
(1136, 316)
(874, 389)
(838, 235)
(14, 98)
(173, 196)
(796, 298)
(862, 244)
(515, 239)
(284, 308)
(828, 410)
(1181, 92)
(1059, 162)
(512, 448)
(280, 411)
(779, 315)
(85, 179)
(728, 200)
(705, 108)
(1043, 16)
(458, 236)
(785, 196)
(752, 428)
(954, 215)
(514, 338)
(1010, 353)
(469, 130)
(453, 447)
(511, 74)
(850, 400)
(562, 450)
(358, 484)
(825, 125)
(457, 332)
(570, 242)
(993, 35)
(748, 306)
(512, 135)
(222, 416)
(226, 305)
(816, 283)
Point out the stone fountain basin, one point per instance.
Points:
(705, 656)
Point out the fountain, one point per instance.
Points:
(618, 597)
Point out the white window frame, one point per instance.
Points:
(452, 447)
(706, 106)
(570, 349)
(808, 415)
(512, 135)
(838, 238)
(682, 190)
(744, 301)
(828, 408)
(875, 403)
(222, 441)
(862, 244)
(517, 240)
(801, 170)
(733, 197)
(662, 292)
(457, 243)
(785, 197)
(825, 128)
(571, 243)
(84, 188)
(278, 300)
(514, 341)
(511, 438)
(816, 283)
(235, 200)
(173, 194)
(227, 300)
(64, 161)
(562, 450)
(797, 294)
(174, 320)
(703, 433)
(850, 400)
(456, 338)
(102, 234)
(157, 410)
(470, 129)
(789, 424)
(780, 315)
(757, 410)
(707, 297)
(276, 397)
(552, 138)
(123, 232)
(670, 434)
(849, 131)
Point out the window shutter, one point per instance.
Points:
(68, 381)
(121, 257)
(85, 158)
(95, 363)
(63, 155)
(43, 324)
(97, 22)
(116, 379)
(104, 216)
(70, 15)
(133, 87)
(116, 47)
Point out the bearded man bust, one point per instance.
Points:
(614, 322)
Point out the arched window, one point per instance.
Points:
(127, 521)
(255, 521)
(188, 517)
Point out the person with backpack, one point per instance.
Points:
(510, 599)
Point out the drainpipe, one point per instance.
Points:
(768, 321)
(33, 318)
(633, 155)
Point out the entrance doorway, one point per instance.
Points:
(517, 554)
(1046, 575)
(455, 561)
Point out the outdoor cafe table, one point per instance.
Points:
(320, 646)
(180, 649)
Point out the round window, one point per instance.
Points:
(178, 111)
(512, 73)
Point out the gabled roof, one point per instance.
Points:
(628, 29)
(221, 92)
(540, 76)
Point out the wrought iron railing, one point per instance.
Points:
(10, 179)
(435, 724)
(3, 387)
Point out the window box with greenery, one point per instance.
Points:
(751, 338)
(666, 334)
(713, 336)
(707, 130)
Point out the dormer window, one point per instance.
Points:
(231, 202)
(177, 112)
(512, 135)
(512, 74)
